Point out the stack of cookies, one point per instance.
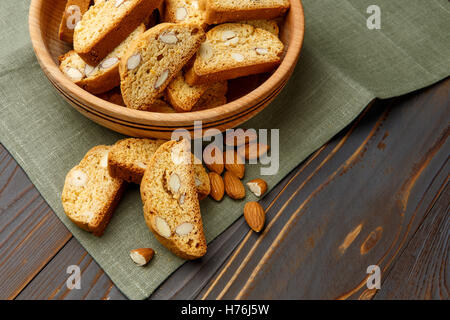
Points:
(170, 190)
(168, 55)
(172, 182)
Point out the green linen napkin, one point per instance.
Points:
(343, 66)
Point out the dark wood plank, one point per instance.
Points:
(385, 172)
(30, 234)
(50, 283)
(421, 272)
(359, 201)
(360, 209)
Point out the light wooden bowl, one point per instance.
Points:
(247, 96)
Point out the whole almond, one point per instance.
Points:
(233, 186)
(142, 256)
(257, 186)
(253, 151)
(217, 186)
(212, 161)
(239, 137)
(234, 163)
(254, 215)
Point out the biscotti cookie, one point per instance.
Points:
(71, 16)
(171, 205)
(100, 78)
(234, 50)
(185, 11)
(106, 24)
(129, 158)
(182, 96)
(218, 11)
(213, 97)
(113, 96)
(154, 59)
(159, 106)
(269, 25)
(90, 194)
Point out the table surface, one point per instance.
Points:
(376, 194)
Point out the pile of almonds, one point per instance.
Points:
(240, 146)
(225, 177)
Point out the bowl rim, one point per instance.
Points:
(63, 84)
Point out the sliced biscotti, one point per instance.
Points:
(171, 205)
(218, 11)
(185, 11)
(160, 106)
(234, 50)
(129, 158)
(202, 182)
(113, 96)
(71, 16)
(269, 25)
(213, 97)
(90, 194)
(106, 24)
(102, 77)
(182, 96)
(154, 59)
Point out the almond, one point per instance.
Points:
(181, 200)
(141, 165)
(205, 51)
(78, 178)
(108, 63)
(228, 34)
(168, 38)
(104, 160)
(74, 74)
(181, 13)
(257, 186)
(174, 183)
(234, 163)
(233, 186)
(238, 137)
(133, 61)
(233, 41)
(254, 215)
(184, 229)
(253, 151)
(161, 79)
(217, 186)
(162, 227)
(213, 158)
(142, 256)
(88, 70)
(261, 51)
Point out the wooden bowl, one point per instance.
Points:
(247, 96)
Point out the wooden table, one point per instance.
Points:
(377, 194)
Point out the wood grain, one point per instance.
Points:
(377, 193)
(30, 233)
(44, 20)
(50, 283)
(421, 272)
(357, 201)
